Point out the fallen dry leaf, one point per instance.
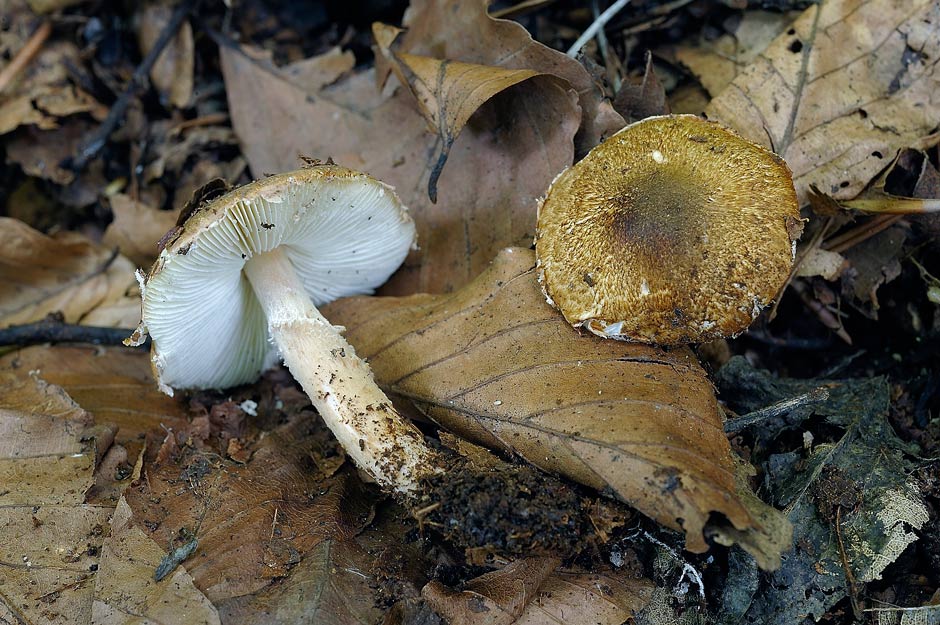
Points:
(842, 91)
(67, 273)
(498, 167)
(49, 537)
(125, 586)
(331, 585)
(494, 363)
(319, 71)
(255, 521)
(531, 591)
(113, 383)
(447, 92)
(172, 74)
(137, 228)
(39, 152)
(639, 99)
(43, 93)
(716, 62)
(462, 30)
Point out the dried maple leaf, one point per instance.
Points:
(838, 94)
(494, 363)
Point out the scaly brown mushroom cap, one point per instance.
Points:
(674, 230)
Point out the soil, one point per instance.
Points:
(510, 509)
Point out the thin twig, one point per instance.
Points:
(52, 331)
(849, 576)
(604, 47)
(823, 313)
(783, 407)
(861, 233)
(598, 24)
(26, 54)
(96, 140)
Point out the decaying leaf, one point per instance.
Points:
(824, 263)
(137, 228)
(716, 62)
(331, 585)
(172, 74)
(125, 584)
(642, 98)
(846, 87)
(65, 273)
(852, 503)
(463, 31)
(49, 537)
(255, 520)
(531, 591)
(503, 160)
(114, 384)
(496, 364)
(43, 92)
(447, 92)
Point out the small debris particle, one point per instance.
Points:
(173, 559)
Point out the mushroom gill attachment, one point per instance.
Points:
(674, 230)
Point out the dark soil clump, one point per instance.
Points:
(508, 509)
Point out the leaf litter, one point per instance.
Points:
(840, 92)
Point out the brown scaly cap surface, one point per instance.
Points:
(674, 230)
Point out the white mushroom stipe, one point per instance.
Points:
(338, 382)
(239, 282)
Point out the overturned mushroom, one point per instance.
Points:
(674, 230)
(255, 263)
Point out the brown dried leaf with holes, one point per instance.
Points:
(840, 92)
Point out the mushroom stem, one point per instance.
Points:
(338, 382)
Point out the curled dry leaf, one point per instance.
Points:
(506, 155)
(65, 273)
(43, 93)
(172, 74)
(447, 92)
(716, 62)
(844, 89)
(49, 536)
(462, 30)
(494, 363)
(532, 591)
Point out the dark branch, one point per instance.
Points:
(53, 331)
(781, 408)
(96, 140)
